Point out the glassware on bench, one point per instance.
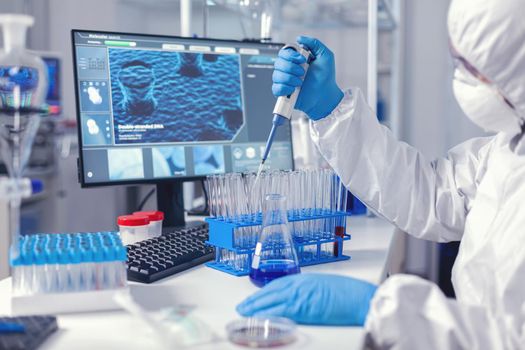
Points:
(275, 254)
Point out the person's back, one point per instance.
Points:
(490, 268)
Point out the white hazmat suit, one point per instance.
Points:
(476, 194)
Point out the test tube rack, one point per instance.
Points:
(67, 272)
(223, 232)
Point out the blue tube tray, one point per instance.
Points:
(321, 248)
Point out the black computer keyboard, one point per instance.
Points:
(37, 330)
(173, 252)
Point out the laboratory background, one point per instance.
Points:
(395, 51)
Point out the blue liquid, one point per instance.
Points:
(26, 78)
(271, 269)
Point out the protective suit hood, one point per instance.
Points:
(490, 35)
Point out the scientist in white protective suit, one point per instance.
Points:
(475, 195)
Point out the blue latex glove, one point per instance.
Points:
(319, 92)
(318, 299)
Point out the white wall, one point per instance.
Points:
(433, 120)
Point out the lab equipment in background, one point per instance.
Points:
(24, 84)
(73, 268)
(24, 187)
(53, 97)
(284, 106)
(23, 87)
(316, 208)
(173, 252)
(262, 332)
(155, 221)
(43, 158)
(133, 228)
(275, 254)
(12, 189)
(36, 330)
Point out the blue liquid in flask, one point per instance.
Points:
(274, 254)
(272, 269)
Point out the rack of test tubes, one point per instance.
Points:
(316, 206)
(74, 268)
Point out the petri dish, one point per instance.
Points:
(262, 332)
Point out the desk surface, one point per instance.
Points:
(215, 296)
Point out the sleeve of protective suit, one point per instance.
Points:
(408, 312)
(428, 199)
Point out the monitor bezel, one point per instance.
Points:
(80, 160)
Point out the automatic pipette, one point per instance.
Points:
(284, 106)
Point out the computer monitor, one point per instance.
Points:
(163, 109)
(53, 98)
(160, 108)
(53, 63)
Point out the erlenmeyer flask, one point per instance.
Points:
(275, 254)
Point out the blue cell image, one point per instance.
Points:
(125, 163)
(96, 129)
(161, 96)
(208, 160)
(168, 161)
(94, 96)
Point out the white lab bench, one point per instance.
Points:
(215, 295)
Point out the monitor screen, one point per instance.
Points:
(156, 108)
(53, 92)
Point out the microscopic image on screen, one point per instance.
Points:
(162, 96)
(96, 129)
(168, 161)
(208, 159)
(125, 163)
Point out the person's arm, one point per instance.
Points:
(426, 199)
(408, 312)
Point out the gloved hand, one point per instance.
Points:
(319, 299)
(319, 92)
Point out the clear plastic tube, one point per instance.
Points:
(57, 263)
(238, 198)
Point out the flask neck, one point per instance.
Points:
(14, 36)
(275, 210)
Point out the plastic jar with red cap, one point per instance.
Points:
(133, 228)
(155, 221)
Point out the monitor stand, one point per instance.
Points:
(170, 200)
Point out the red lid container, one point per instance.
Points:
(152, 215)
(133, 220)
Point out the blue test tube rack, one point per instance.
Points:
(223, 231)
